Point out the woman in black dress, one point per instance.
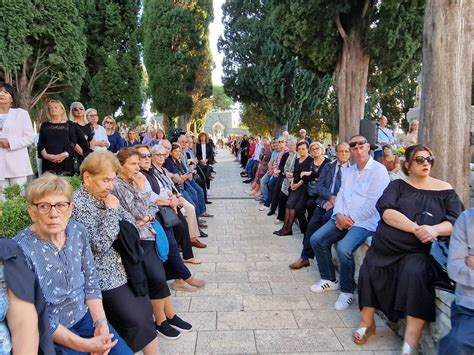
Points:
(57, 140)
(296, 203)
(84, 131)
(396, 276)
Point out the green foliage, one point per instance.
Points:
(258, 70)
(13, 217)
(220, 101)
(255, 120)
(75, 181)
(42, 47)
(12, 192)
(114, 73)
(174, 43)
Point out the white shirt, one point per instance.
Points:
(385, 135)
(203, 150)
(360, 191)
(100, 135)
(258, 150)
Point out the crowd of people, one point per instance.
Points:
(342, 196)
(90, 273)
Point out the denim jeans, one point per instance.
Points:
(85, 329)
(460, 340)
(264, 187)
(191, 199)
(199, 193)
(320, 216)
(249, 168)
(348, 242)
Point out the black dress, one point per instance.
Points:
(396, 276)
(58, 138)
(84, 136)
(297, 198)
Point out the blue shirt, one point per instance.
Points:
(67, 277)
(116, 142)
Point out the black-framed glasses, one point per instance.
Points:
(145, 155)
(420, 160)
(45, 207)
(109, 122)
(78, 109)
(281, 141)
(353, 144)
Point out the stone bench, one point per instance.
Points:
(433, 332)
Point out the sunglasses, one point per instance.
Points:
(353, 144)
(109, 122)
(78, 109)
(421, 160)
(145, 155)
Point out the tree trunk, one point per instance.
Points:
(279, 128)
(351, 80)
(184, 122)
(24, 88)
(445, 107)
(166, 123)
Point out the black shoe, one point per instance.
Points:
(167, 331)
(203, 235)
(200, 225)
(180, 324)
(277, 232)
(248, 181)
(270, 213)
(208, 203)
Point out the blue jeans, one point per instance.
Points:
(249, 168)
(85, 329)
(348, 242)
(264, 187)
(197, 194)
(460, 340)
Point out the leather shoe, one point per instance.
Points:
(298, 264)
(248, 181)
(197, 243)
(208, 203)
(277, 232)
(270, 213)
(205, 214)
(203, 235)
(202, 225)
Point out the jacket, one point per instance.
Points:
(15, 160)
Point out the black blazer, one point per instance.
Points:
(209, 153)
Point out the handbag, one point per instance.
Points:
(168, 217)
(76, 165)
(439, 260)
(162, 245)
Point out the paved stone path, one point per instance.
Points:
(253, 303)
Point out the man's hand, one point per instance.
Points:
(4, 143)
(328, 205)
(343, 222)
(426, 233)
(111, 201)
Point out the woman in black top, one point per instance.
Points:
(57, 140)
(316, 149)
(84, 131)
(244, 151)
(297, 193)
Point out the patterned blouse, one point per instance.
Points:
(5, 342)
(138, 203)
(102, 225)
(67, 276)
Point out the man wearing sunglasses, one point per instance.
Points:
(354, 218)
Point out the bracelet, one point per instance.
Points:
(98, 321)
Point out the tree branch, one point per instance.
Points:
(365, 8)
(340, 29)
(40, 94)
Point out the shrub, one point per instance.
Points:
(75, 181)
(13, 216)
(12, 192)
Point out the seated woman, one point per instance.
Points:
(392, 163)
(132, 138)
(163, 195)
(26, 329)
(296, 203)
(396, 276)
(255, 187)
(100, 212)
(58, 251)
(115, 139)
(129, 188)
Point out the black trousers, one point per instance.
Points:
(155, 272)
(320, 216)
(276, 194)
(181, 234)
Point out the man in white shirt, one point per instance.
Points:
(354, 219)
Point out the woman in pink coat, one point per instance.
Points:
(16, 135)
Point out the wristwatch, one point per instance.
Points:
(98, 321)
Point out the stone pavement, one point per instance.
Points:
(253, 303)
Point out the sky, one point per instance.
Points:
(216, 29)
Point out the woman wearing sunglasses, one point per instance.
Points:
(84, 131)
(396, 276)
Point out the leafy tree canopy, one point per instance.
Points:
(221, 102)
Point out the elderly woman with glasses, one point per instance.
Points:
(101, 214)
(100, 140)
(84, 130)
(130, 189)
(58, 250)
(165, 195)
(57, 140)
(397, 275)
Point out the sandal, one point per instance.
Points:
(408, 350)
(362, 334)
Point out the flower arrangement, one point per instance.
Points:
(399, 152)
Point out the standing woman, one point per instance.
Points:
(115, 139)
(412, 136)
(205, 156)
(57, 140)
(84, 131)
(100, 140)
(16, 134)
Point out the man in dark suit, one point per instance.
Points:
(327, 188)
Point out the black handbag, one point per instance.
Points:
(439, 261)
(168, 217)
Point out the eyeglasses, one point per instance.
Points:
(420, 160)
(78, 109)
(353, 144)
(160, 154)
(145, 155)
(281, 141)
(45, 207)
(109, 122)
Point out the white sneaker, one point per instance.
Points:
(277, 221)
(325, 285)
(344, 301)
(263, 208)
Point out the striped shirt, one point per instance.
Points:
(67, 276)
